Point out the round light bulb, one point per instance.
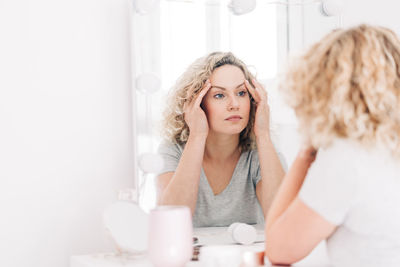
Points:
(240, 7)
(331, 8)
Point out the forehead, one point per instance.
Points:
(227, 76)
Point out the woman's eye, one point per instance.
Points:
(242, 93)
(218, 96)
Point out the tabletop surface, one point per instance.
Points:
(207, 236)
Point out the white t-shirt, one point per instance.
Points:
(358, 190)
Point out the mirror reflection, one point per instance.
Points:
(168, 47)
(166, 44)
(218, 156)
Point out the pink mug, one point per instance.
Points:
(170, 236)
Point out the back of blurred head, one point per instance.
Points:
(348, 86)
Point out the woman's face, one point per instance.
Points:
(227, 103)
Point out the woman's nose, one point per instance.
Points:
(233, 103)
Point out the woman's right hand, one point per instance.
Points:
(195, 117)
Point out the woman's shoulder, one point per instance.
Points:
(169, 147)
(338, 155)
(345, 149)
(337, 148)
(251, 157)
(347, 157)
(250, 153)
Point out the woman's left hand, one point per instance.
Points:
(261, 123)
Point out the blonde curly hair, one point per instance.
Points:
(189, 85)
(348, 86)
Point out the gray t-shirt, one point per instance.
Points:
(237, 203)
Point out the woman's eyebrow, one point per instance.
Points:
(223, 88)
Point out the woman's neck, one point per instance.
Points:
(221, 147)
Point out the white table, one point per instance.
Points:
(207, 236)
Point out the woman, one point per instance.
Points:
(216, 116)
(346, 93)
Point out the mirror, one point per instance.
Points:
(173, 33)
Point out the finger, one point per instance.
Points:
(202, 93)
(260, 89)
(252, 91)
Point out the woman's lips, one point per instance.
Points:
(233, 118)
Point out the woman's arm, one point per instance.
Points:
(291, 184)
(181, 187)
(270, 165)
(271, 172)
(293, 229)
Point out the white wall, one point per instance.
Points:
(65, 126)
(382, 12)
